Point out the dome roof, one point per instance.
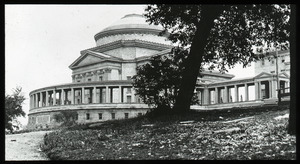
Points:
(129, 24)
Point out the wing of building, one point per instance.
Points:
(101, 87)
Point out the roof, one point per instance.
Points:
(128, 24)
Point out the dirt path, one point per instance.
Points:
(24, 146)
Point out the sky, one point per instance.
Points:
(41, 41)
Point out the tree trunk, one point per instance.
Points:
(292, 117)
(192, 65)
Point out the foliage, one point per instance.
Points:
(13, 108)
(67, 118)
(261, 137)
(236, 30)
(157, 82)
(219, 35)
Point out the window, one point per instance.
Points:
(126, 115)
(100, 116)
(263, 62)
(100, 78)
(272, 71)
(87, 116)
(282, 70)
(113, 115)
(89, 79)
(282, 60)
(78, 81)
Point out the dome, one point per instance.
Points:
(131, 23)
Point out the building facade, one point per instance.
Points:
(101, 87)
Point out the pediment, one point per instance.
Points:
(283, 75)
(262, 75)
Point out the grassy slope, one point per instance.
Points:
(259, 137)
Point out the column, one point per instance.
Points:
(259, 90)
(225, 94)
(216, 96)
(36, 101)
(62, 97)
(41, 99)
(120, 94)
(133, 95)
(206, 96)
(47, 98)
(72, 95)
(270, 89)
(256, 85)
(82, 95)
(94, 95)
(274, 87)
(54, 97)
(246, 92)
(236, 89)
(107, 94)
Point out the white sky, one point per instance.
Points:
(41, 41)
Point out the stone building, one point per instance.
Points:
(101, 87)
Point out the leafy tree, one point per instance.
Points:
(67, 118)
(157, 82)
(219, 35)
(13, 108)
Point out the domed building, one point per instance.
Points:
(101, 87)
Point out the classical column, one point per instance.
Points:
(133, 95)
(206, 96)
(94, 95)
(62, 97)
(246, 92)
(236, 89)
(54, 97)
(82, 95)
(270, 89)
(41, 99)
(274, 87)
(120, 94)
(107, 94)
(259, 90)
(36, 101)
(216, 96)
(225, 94)
(256, 85)
(72, 96)
(47, 98)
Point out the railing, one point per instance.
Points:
(283, 92)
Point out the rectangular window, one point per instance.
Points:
(126, 115)
(89, 79)
(113, 115)
(282, 60)
(100, 116)
(272, 71)
(78, 81)
(87, 116)
(100, 78)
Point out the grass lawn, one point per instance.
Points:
(240, 133)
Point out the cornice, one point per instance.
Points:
(129, 43)
(143, 30)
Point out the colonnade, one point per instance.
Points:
(219, 92)
(82, 95)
